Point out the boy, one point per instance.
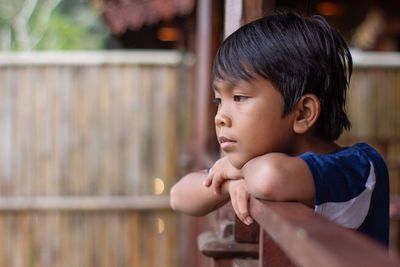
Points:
(280, 86)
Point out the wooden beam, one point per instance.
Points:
(310, 240)
(212, 245)
(77, 203)
(150, 57)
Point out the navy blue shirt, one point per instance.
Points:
(352, 189)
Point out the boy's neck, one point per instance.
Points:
(316, 145)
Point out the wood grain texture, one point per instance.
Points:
(310, 240)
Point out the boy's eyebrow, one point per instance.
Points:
(215, 88)
(229, 86)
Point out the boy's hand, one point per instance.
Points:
(240, 200)
(221, 171)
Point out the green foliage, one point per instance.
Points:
(9, 9)
(50, 25)
(81, 32)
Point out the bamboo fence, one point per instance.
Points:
(89, 149)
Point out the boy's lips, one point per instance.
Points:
(226, 143)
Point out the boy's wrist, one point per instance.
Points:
(225, 187)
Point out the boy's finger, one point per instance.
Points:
(243, 206)
(214, 180)
(237, 211)
(217, 183)
(207, 182)
(235, 206)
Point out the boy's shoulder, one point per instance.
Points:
(345, 173)
(355, 163)
(357, 153)
(352, 188)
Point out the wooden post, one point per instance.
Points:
(203, 36)
(190, 227)
(271, 255)
(233, 16)
(246, 233)
(252, 10)
(239, 12)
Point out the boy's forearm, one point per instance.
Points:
(190, 196)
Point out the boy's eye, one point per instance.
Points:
(239, 98)
(217, 101)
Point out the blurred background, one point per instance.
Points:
(104, 104)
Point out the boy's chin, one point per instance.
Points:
(236, 162)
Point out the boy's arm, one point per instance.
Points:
(190, 196)
(279, 177)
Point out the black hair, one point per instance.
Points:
(299, 55)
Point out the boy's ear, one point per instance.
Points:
(307, 111)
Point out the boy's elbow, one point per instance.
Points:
(264, 182)
(173, 199)
(176, 199)
(177, 203)
(263, 189)
(278, 177)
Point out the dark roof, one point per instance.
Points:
(121, 15)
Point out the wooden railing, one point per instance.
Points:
(291, 235)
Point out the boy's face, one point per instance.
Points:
(249, 120)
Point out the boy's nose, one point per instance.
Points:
(222, 120)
